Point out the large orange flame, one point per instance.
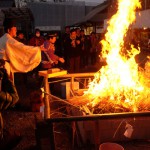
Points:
(119, 80)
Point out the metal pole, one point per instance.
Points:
(99, 117)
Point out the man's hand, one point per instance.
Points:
(43, 48)
(78, 42)
(61, 60)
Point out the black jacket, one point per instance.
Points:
(70, 50)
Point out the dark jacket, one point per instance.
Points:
(36, 41)
(70, 50)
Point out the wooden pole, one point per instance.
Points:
(46, 99)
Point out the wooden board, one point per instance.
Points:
(51, 75)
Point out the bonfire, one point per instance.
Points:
(119, 86)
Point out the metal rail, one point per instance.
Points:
(99, 117)
(51, 121)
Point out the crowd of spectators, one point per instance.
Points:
(72, 50)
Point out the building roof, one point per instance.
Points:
(57, 14)
(17, 13)
(142, 19)
(6, 3)
(95, 15)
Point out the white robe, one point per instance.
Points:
(22, 58)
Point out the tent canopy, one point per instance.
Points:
(98, 14)
(95, 15)
(142, 19)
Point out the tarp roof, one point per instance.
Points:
(95, 15)
(142, 19)
(57, 14)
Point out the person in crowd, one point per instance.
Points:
(65, 37)
(87, 47)
(20, 37)
(80, 44)
(93, 50)
(58, 45)
(73, 52)
(78, 32)
(37, 39)
(67, 33)
(83, 52)
(49, 58)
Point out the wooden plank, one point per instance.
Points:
(64, 74)
(78, 75)
(51, 75)
(57, 74)
(43, 73)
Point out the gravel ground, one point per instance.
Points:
(24, 123)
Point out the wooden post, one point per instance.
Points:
(72, 83)
(46, 76)
(46, 99)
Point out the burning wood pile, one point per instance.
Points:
(120, 86)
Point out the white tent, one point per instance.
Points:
(142, 20)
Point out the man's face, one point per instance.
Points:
(53, 40)
(78, 31)
(73, 35)
(12, 31)
(37, 34)
(21, 36)
(67, 30)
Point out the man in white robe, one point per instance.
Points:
(19, 57)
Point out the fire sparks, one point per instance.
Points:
(118, 83)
